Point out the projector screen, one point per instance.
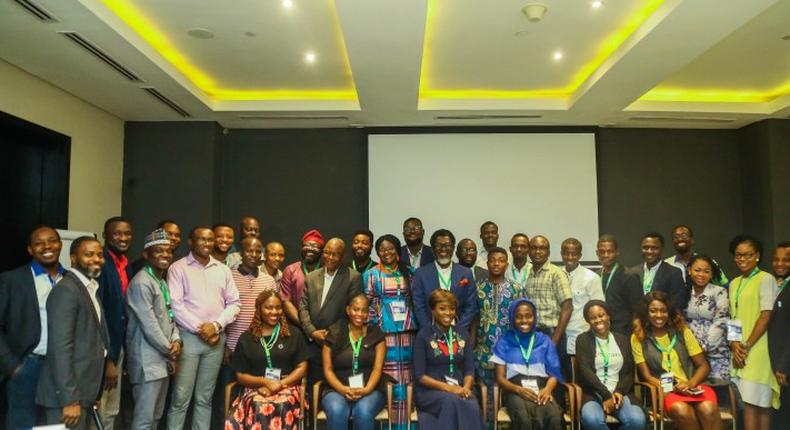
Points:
(527, 183)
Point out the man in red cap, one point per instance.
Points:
(292, 281)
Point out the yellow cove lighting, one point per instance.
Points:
(146, 29)
(715, 95)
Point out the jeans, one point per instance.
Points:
(198, 367)
(631, 416)
(23, 412)
(363, 412)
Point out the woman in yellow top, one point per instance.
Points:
(751, 300)
(668, 355)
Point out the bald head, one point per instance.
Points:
(333, 254)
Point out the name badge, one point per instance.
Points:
(273, 373)
(356, 381)
(667, 381)
(734, 331)
(530, 383)
(398, 309)
(451, 381)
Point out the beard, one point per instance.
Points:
(90, 274)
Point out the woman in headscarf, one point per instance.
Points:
(528, 370)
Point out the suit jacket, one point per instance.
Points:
(346, 284)
(480, 273)
(778, 334)
(622, 297)
(593, 388)
(426, 279)
(20, 323)
(150, 331)
(669, 279)
(112, 300)
(76, 343)
(425, 258)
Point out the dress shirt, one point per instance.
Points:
(327, 284)
(201, 294)
(548, 288)
(445, 273)
(414, 259)
(292, 281)
(585, 286)
(44, 286)
(120, 263)
(92, 287)
(518, 276)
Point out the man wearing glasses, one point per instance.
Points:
(415, 254)
(292, 281)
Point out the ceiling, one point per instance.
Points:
(628, 63)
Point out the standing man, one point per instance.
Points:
(683, 242)
(223, 241)
(249, 227)
(620, 286)
(77, 340)
(448, 276)
(518, 271)
(466, 252)
(361, 247)
(414, 253)
(204, 300)
(547, 286)
(657, 275)
(292, 281)
(272, 261)
(113, 282)
(489, 237)
(23, 325)
(152, 342)
(173, 233)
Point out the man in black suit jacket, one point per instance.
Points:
(415, 253)
(657, 275)
(620, 286)
(23, 325)
(71, 377)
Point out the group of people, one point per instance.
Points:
(443, 318)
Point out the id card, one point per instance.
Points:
(273, 373)
(667, 382)
(356, 381)
(530, 383)
(734, 331)
(398, 309)
(451, 381)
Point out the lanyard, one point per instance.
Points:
(667, 351)
(450, 338)
(414, 258)
(474, 278)
(609, 279)
(740, 288)
(526, 354)
(784, 284)
(647, 282)
(367, 267)
(604, 356)
(445, 282)
(267, 346)
(165, 292)
(395, 273)
(516, 277)
(304, 267)
(355, 347)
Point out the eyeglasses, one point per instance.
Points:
(443, 245)
(744, 256)
(467, 251)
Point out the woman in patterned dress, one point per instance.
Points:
(388, 286)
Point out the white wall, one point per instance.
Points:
(96, 168)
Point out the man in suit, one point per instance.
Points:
(466, 253)
(444, 274)
(414, 253)
(77, 341)
(23, 325)
(620, 286)
(113, 282)
(658, 275)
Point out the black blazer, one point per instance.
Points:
(622, 297)
(669, 279)
(20, 323)
(593, 388)
(425, 258)
(778, 334)
(114, 304)
(346, 284)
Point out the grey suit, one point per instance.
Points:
(76, 346)
(346, 284)
(148, 338)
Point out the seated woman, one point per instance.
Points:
(270, 361)
(707, 314)
(528, 370)
(668, 356)
(444, 370)
(353, 356)
(605, 371)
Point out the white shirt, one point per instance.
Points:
(92, 287)
(445, 273)
(615, 362)
(43, 288)
(327, 284)
(585, 286)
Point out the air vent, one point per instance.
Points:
(656, 118)
(293, 117)
(101, 55)
(483, 117)
(171, 104)
(39, 12)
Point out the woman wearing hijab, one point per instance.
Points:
(528, 370)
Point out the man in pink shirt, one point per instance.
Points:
(292, 282)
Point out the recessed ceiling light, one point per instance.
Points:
(597, 4)
(557, 55)
(309, 57)
(200, 33)
(288, 4)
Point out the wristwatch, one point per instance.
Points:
(217, 326)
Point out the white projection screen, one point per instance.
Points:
(527, 183)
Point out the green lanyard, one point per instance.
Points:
(474, 278)
(604, 357)
(647, 283)
(784, 284)
(354, 265)
(515, 275)
(667, 351)
(740, 288)
(395, 273)
(450, 338)
(165, 292)
(356, 346)
(414, 258)
(445, 281)
(526, 354)
(304, 267)
(267, 346)
(609, 279)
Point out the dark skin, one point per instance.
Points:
(524, 321)
(357, 312)
(311, 254)
(333, 256)
(361, 247)
(497, 265)
(652, 250)
(251, 250)
(413, 234)
(223, 240)
(443, 316)
(683, 242)
(272, 311)
(599, 322)
(781, 266)
(466, 251)
(273, 260)
(746, 258)
(44, 247)
(118, 237)
(443, 250)
(607, 254)
(489, 235)
(174, 233)
(250, 227)
(159, 258)
(539, 250)
(200, 244)
(571, 253)
(519, 249)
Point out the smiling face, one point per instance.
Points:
(223, 239)
(88, 259)
(657, 314)
(682, 240)
(781, 262)
(746, 257)
(700, 272)
(524, 318)
(45, 246)
(388, 253)
(361, 246)
(202, 242)
(466, 252)
(311, 251)
(413, 232)
(271, 311)
(489, 234)
(539, 250)
(357, 311)
(599, 320)
(571, 254)
(444, 313)
(333, 254)
(118, 236)
(275, 255)
(159, 256)
(651, 250)
(443, 250)
(173, 233)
